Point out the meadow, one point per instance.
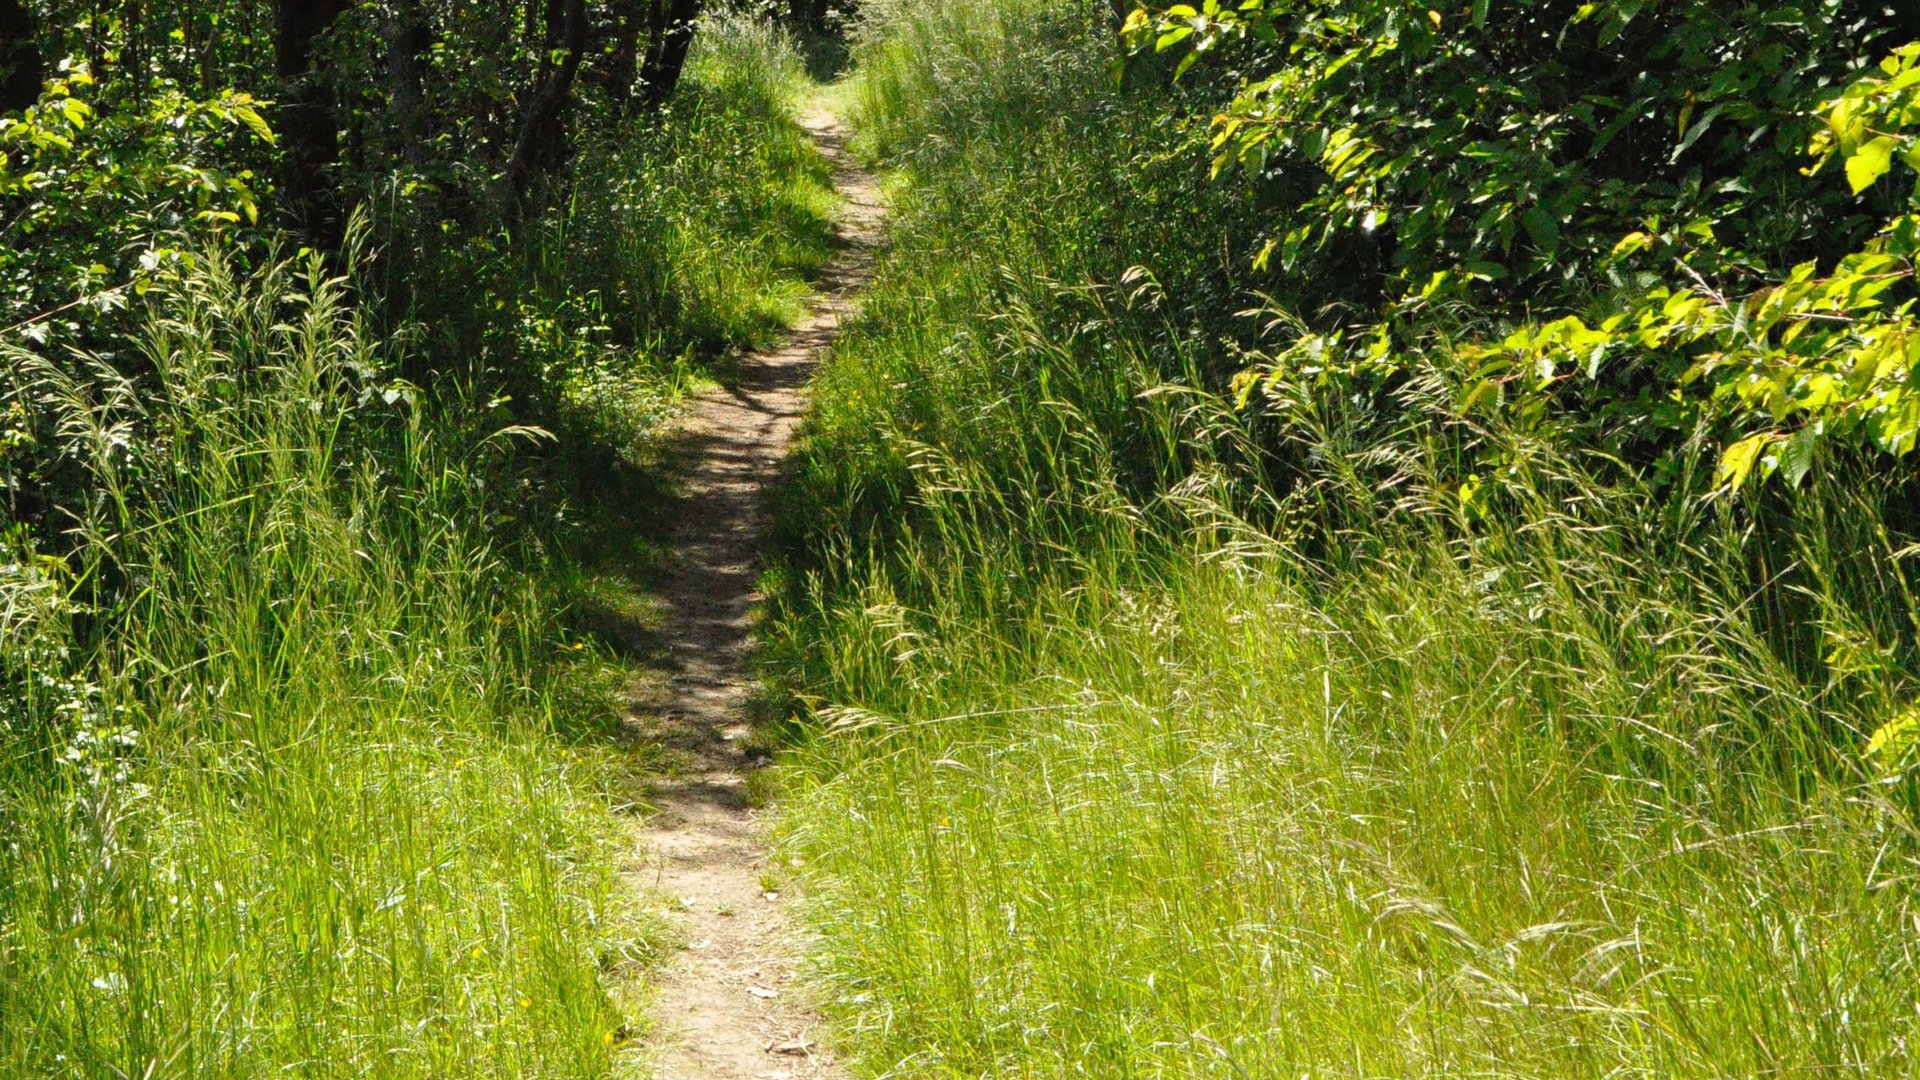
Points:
(1153, 725)
(1343, 539)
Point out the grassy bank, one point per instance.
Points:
(284, 819)
(1146, 735)
(302, 770)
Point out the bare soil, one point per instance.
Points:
(727, 1004)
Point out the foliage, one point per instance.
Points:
(1515, 142)
(1820, 359)
(81, 186)
(1525, 158)
(1364, 657)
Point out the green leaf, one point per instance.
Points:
(255, 123)
(1892, 740)
(1737, 460)
(1630, 243)
(1544, 230)
(1796, 455)
(1870, 162)
(1692, 134)
(1470, 501)
(1484, 392)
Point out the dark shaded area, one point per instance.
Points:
(825, 52)
(540, 142)
(670, 39)
(308, 130)
(22, 70)
(409, 36)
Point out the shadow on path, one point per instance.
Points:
(726, 1002)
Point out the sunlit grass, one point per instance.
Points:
(310, 818)
(311, 747)
(1119, 756)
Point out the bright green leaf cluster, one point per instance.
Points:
(81, 184)
(1613, 205)
(1816, 358)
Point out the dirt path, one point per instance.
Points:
(726, 1005)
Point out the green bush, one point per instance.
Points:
(1614, 203)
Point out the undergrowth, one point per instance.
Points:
(309, 756)
(300, 810)
(682, 243)
(1139, 734)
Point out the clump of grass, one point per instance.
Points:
(300, 809)
(1129, 754)
(1539, 814)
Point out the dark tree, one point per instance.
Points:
(21, 70)
(670, 37)
(542, 126)
(409, 36)
(307, 124)
(623, 65)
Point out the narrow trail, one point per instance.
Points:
(726, 1003)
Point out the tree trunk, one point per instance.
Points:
(134, 65)
(21, 70)
(307, 125)
(624, 66)
(671, 37)
(542, 128)
(552, 25)
(409, 37)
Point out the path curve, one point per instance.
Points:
(727, 1005)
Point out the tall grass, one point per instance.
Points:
(297, 776)
(679, 240)
(1145, 740)
(301, 813)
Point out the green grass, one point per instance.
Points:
(1139, 737)
(311, 760)
(1218, 823)
(309, 817)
